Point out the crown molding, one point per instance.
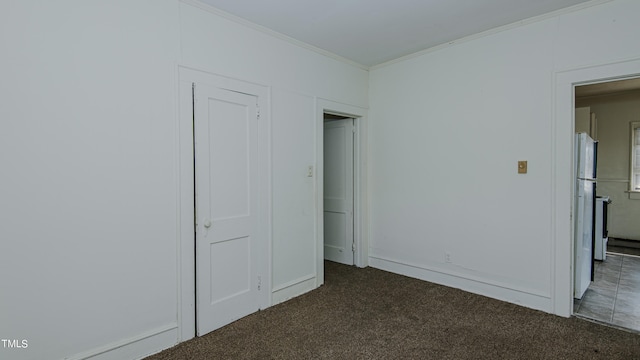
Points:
(493, 31)
(265, 30)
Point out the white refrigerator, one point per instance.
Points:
(585, 160)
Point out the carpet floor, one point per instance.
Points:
(373, 314)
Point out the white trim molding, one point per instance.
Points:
(504, 292)
(294, 288)
(265, 30)
(136, 347)
(493, 31)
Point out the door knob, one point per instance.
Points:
(207, 223)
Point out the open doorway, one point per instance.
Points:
(338, 187)
(341, 140)
(563, 171)
(609, 113)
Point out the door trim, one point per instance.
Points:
(361, 180)
(563, 186)
(186, 311)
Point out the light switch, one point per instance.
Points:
(522, 167)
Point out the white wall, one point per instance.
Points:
(87, 147)
(447, 130)
(90, 165)
(614, 113)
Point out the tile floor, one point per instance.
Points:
(614, 295)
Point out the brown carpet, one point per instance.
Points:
(373, 314)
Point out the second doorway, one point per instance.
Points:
(338, 186)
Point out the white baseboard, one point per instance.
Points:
(137, 347)
(294, 288)
(495, 291)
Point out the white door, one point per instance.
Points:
(227, 209)
(338, 191)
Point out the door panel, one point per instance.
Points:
(230, 141)
(338, 191)
(226, 206)
(334, 225)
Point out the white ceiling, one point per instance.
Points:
(371, 32)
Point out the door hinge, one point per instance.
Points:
(259, 282)
(353, 246)
(258, 112)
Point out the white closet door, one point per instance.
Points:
(338, 191)
(227, 212)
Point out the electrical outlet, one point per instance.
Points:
(447, 257)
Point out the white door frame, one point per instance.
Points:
(563, 184)
(361, 180)
(185, 192)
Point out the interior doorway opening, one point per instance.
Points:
(563, 184)
(606, 111)
(338, 188)
(334, 113)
